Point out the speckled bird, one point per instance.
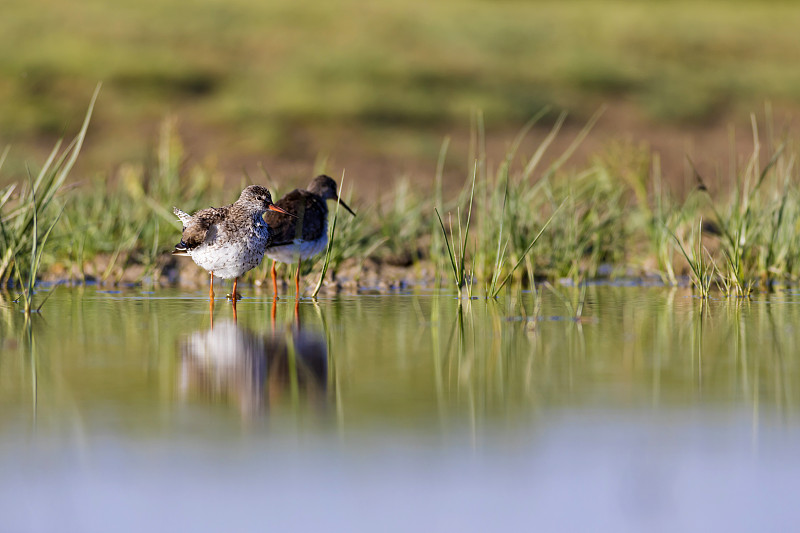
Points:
(306, 235)
(230, 240)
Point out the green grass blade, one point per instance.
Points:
(528, 249)
(449, 250)
(466, 228)
(540, 151)
(576, 142)
(38, 258)
(3, 157)
(499, 258)
(329, 248)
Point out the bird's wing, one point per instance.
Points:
(314, 218)
(196, 228)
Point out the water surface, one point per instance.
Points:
(135, 410)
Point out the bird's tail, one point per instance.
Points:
(184, 217)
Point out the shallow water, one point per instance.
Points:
(127, 411)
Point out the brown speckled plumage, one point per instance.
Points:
(230, 240)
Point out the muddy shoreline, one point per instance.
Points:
(354, 275)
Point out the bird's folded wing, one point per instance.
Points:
(196, 230)
(282, 228)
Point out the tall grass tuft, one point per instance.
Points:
(27, 285)
(700, 262)
(458, 254)
(494, 287)
(27, 222)
(757, 222)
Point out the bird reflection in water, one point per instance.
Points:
(255, 371)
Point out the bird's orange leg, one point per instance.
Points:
(274, 279)
(233, 304)
(234, 294)
(211, 288)
(297, 280)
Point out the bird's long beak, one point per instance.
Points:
(273, 207)
(341, 202)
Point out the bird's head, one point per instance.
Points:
(259, 199)
(325, 187)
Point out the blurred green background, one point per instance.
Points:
(373, 87)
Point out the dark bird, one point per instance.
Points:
(305, 235)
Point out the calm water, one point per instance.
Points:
(134, 411)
